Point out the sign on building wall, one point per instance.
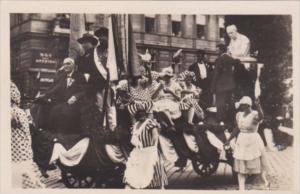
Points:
(44, 59)
(43, 69)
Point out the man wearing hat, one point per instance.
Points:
(202, 71)
(66, 96)
(223, 84)
(93, 64)
(88, 42)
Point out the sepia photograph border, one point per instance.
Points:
(136, 7)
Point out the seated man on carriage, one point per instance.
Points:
(66, 99)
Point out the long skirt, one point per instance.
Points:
(150, 162)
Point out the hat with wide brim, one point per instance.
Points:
(88, 38)
(244, 100)
(102, 31)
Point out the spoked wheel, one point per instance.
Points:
(77, 181)
(205, 168)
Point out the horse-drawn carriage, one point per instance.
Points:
(99, 156)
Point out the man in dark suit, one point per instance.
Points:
(90, 65)
(66, 96)
(202, 71)
(223, 85)
(93, 63)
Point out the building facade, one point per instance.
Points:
(39, 42)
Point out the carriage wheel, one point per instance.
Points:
(73, 181)
(205, 168)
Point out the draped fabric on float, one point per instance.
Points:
(77, 29)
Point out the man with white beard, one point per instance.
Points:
(239, 45)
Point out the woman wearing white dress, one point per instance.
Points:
(249, 151)
(169, 96)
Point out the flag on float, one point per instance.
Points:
(118, 42)
(114, 58)
(77, 29)
(125, 47)
(133, 59)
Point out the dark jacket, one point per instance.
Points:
(86, 64)
(64, 118)
(60, 93)
(223, 77)
(202, 83)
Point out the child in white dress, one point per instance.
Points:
(249, 151)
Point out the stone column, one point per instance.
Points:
(188, 26)
(163, 24)
(212, 28)
(138, 22)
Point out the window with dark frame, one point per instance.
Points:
(222, 28)
(222, 33)
(149, 25)
(200, 26)
(176, 28)
(200, 31)
(64, 20)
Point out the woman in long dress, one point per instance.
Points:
(249, 151)
(25, 172)
(145, 168)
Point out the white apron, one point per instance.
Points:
(140, 165)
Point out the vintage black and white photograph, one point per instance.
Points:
(151, 101)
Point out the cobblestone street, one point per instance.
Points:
(280, 176)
